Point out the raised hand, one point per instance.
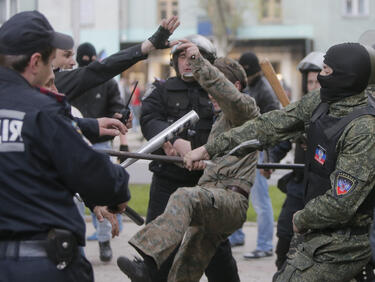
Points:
(159, 40)
(191, 50)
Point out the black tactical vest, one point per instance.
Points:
(323, 135)
(180, 98)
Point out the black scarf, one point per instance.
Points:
(351, 72)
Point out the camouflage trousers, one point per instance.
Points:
(314, 256)
(201, 218)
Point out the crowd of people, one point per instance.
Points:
(195, 212)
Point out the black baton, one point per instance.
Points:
(133, 215)
(129, 212)
(169, 159)
(280, 166)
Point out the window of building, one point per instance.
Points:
(167, 8)
(270, 10)
(7, 9)
(356, 8)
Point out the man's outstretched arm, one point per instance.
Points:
(76, 82)
(269, 128)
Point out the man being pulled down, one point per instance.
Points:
(205, 215)
(44, 162)
(339, 176)
(166, 103)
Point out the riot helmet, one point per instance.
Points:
(371, 52)
(205, 46)
(313, 62)
(367, 39)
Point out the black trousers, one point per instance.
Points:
(41, 269)
(223, 267)
(284, 231)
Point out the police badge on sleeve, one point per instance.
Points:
(344, 183)
(76, 127)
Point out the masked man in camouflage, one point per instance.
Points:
(205, 215)
(339, 175)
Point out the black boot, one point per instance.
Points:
(282, 249)
(366, 274)
(137, 270)
(105, 251)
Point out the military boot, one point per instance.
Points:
(105, 251)
(137, 270)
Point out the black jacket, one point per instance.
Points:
(167, 103)
(264, 96)
(44, 161)
(101, 101)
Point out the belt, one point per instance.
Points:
(238, 190)
(14, 249)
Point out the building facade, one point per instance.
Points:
(283, 31)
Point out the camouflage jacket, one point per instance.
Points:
(355, 148)
(236, 108)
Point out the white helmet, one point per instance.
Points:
(205, 46)
(312, 62)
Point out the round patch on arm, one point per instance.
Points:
(79, 131)
(344, 183)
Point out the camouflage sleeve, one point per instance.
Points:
(236, 106)
(351, 182)
(269, 128)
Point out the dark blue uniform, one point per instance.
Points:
(44, 161)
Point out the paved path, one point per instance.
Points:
(250, 270)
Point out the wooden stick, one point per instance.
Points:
(270, 74)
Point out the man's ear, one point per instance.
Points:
(238, 85)
(35, 61)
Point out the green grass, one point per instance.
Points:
(140, 196)
(277, 199)
(139, 199)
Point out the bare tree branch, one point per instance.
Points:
(226, 18)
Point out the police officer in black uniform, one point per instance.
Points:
(44, 161)
(167, 102)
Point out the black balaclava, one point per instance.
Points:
(249, 61)
(351, 67)
(85, 49)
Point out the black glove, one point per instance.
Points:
(123, 148)
(160, 38)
